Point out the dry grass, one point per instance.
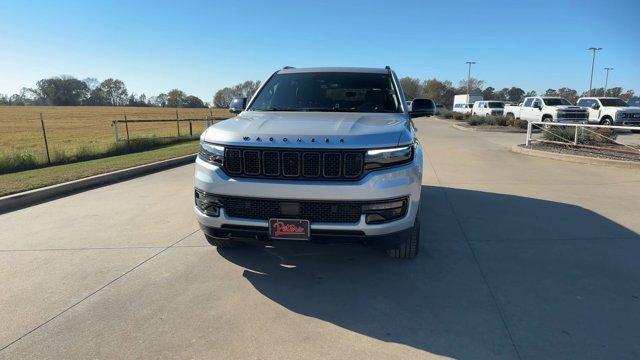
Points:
(74, 128)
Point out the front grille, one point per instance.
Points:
(314, 211)
(283, 163)
(573, 115)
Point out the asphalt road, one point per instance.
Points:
(521, 258)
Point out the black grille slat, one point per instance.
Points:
(291, 163)
(352, 164)
(331, 165)
(311, 165)
(233, 161)
(251, 162)
(314, 211)
(271, 163)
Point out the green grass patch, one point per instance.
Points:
(32, 179)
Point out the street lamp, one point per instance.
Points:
(593, 61)
(469, 80)
(606, 81)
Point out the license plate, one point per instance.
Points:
(289, 229)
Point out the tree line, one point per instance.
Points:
(442, 92)
(69, 91)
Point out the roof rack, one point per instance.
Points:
(288, 67)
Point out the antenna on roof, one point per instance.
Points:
(288, 67)
(388, 67)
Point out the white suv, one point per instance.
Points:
(318, 154)
(495, 108)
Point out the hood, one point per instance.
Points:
(311, 130)
(626, 109)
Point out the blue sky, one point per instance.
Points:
(201, 46)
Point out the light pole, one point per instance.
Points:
(606, 80)
(469, 80)
(593, 61)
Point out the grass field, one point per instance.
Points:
(33, 179)
(78, 128)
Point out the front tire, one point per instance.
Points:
(606, 121)
(221, 242)
(410, 247)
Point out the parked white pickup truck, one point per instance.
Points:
(543, 108)
(610, 111)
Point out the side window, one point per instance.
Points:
(527, 103)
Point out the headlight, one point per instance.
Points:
(213, 154)
(624, 115)
(378, 158)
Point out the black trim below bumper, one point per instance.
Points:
(260, 235)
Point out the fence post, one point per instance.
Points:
(528, 140)
(575, 136)
(178, 122)
(126, 125)
(115, 129)
(44, 134)
(190, 129)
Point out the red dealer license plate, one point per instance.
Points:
(289, 229)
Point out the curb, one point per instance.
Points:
(459, 126)
(32, 197)
(576, 158)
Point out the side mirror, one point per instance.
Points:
(595, 106)
(238, 105)
(537, 105)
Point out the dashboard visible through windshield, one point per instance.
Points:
(328, 91)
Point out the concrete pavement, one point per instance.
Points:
(521, 257)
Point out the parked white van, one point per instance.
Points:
(464, 103)
(495, 108)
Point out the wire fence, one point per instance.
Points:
(35, 136)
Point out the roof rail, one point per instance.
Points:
(288, 67)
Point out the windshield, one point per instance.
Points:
(328, 91)
(613, 102)
(555, 101)
(496, 105)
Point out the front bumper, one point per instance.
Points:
(396, 182)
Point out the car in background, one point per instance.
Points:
(494, 108)
(408, 102)
(427, 107)
(464, 103)
(634, 101)
(610, 111)
(463, 108)
(547, 109)
(439, 109)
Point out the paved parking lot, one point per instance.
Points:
(521, 258)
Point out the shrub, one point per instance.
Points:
(518, 123)
(585, 136)
(458, 116)
(17, 161)
(446, 114)
(476, 120)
